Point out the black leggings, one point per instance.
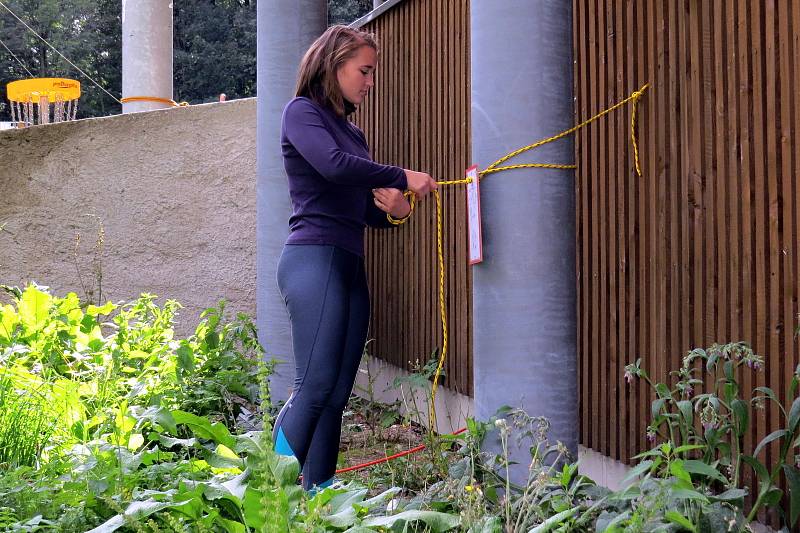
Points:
(326, 294)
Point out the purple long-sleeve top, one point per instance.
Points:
(331, 177)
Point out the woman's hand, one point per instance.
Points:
(392, 201)
(419, 183)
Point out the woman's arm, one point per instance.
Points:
(305, 128)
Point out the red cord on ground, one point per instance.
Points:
(390, 457)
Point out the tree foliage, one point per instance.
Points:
(214, 47)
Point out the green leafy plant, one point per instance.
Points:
(704, 431)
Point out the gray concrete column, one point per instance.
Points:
(286, 28)
(146, 52)
(524, 292)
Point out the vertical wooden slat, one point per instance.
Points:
(745, 174)
(759, 200)
(596, 390)
(694, 165)
(581, 208)
(788, 233)
(621, 263)
(655, 251)
(678, 158)
(773, 249)
(719, 231)
(708, 179)
(643, 325)
(795, 198)
(605, 300)
(732, 148)
(632, 82)
(609, 37)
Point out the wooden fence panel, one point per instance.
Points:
(703, 248)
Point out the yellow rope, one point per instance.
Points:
(442, 311)
(154, 99)
(494, 168)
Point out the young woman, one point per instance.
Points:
(336, 190)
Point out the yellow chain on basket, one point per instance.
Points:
(491, 169)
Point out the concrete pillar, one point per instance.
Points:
(146, 52)
(524, 303)
(286, 28)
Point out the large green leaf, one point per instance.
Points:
(735, 496)
(285, 469)
(34, 309)
(185, 359)
(158, 415)
(345, 507)
(794, 415)
(202, 428)
(487, 524)
(686, 494)
(555, 520)
(677, 518)
(238, 485)
(93, 310)
(728, 370)
(767, 392)
(742, 416)
(8, 322)
(760, 470)
(793, 477)
(677, 469)
(772, 497)
(609, 522)
(686, 411)
(694, 466)
(663, 391)
(775, 435)
(730, 391)
(135, 511)
(231, 526)
(345, 500)
(435, 520)
(638, 470)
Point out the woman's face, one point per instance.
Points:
(357, 75)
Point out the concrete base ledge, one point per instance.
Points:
(452, 408)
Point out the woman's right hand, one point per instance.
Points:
(420, 183)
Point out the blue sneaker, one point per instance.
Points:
(313, 491)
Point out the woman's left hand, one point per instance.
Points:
(392, 201)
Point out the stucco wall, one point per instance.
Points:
(174, 189)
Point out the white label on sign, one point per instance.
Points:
(474, 216)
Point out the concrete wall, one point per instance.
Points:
(175, 190)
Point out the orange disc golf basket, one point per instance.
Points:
(39, 101)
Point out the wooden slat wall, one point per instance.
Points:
(418, 117)
(704, 247)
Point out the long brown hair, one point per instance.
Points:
(316, 78)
